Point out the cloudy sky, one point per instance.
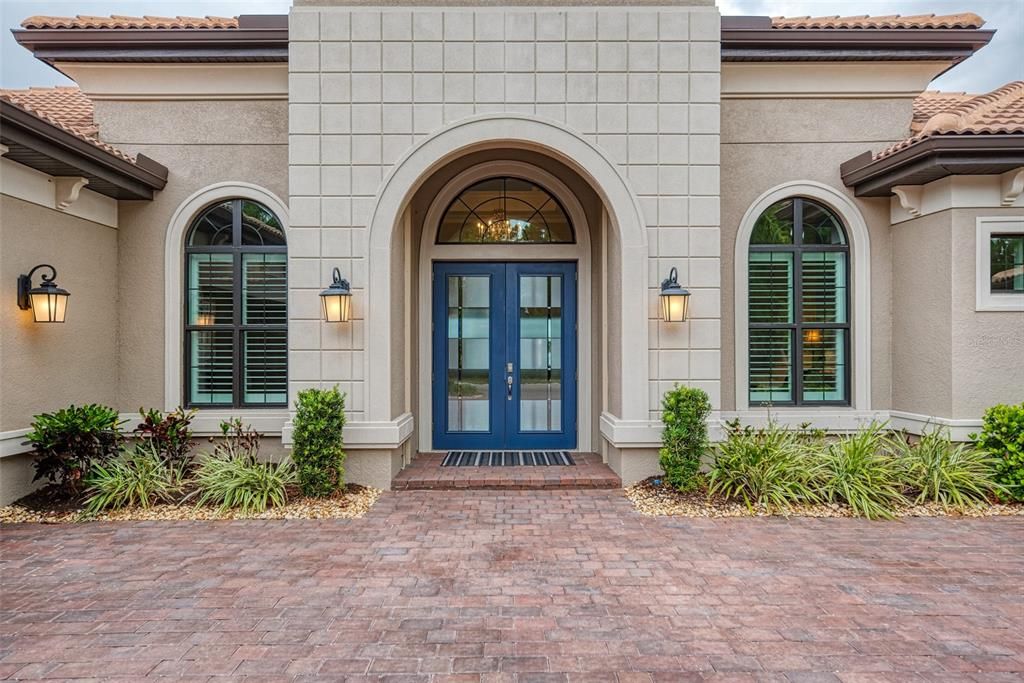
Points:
(1001, 61)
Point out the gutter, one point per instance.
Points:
(937, 156)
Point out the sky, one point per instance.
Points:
(1001, 61)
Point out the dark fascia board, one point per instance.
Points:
(139, 179)
(259, 37)
(265, 38)
(753, 38)
(935, 157)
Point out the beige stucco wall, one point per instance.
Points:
(988, 346)
(202, 143)
(767, 142)
(48, 366)
(922, 347)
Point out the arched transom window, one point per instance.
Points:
(236, 313)
(505, 211)
(799, 303)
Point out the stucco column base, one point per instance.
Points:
(373, 468)
(633, 464)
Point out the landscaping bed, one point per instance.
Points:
(654, 498)
(45, 507)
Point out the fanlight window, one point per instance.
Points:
(798, 306)
(505, 211)
(236, 312)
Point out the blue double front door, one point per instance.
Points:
(504, 356)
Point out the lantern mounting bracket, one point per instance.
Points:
(25, 284)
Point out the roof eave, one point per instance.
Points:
(933, 158)
(136, 181)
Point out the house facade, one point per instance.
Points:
(508, 190)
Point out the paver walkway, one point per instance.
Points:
(516, 586)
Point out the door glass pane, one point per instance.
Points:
(823, 286)
(824, 365)
(468, 353)
(771, 366)
(210, 289)
(540, 353)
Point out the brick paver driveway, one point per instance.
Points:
(521, 586)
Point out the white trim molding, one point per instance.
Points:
(957, 192)
(66, 194)
(860, 255)
(174, 259)
(914, 423)
(985, 299)
(507, 131)
(170, 82)
(579, 252)
(845, 80)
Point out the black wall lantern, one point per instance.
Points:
(337, 300)
(48, 302)
(674, 299)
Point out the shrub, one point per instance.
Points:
(1002, 435)
(317, 446)
(769, 467)
(169, 433)
(950, 474)
(685, 438)
(231, 476)
(861, 471)
(137, 476)
(66, 443)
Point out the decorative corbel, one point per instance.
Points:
(66, 190)
(910, 198)
(1011, 184)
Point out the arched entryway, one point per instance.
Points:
(609, 257)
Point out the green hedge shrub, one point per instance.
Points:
(684, 440)
(1002, 435)
(66, 443)
(317, 445)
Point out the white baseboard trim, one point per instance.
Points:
(11, 442)
(959, 430)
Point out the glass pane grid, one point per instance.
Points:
(211, 367)
(505, 211)
(540, 353)
(468, 374)
(264, 289)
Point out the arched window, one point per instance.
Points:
(799, 306)
(505, 211)
(236, 313)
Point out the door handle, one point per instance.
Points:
(508, 381)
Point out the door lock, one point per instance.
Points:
(508, 380)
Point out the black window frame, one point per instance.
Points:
(238, 329)
(552, 197)
(797, 327)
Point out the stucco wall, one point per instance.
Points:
(48, 366)
(988, 346)
(922, 347)
(767, 142)
(202, 143)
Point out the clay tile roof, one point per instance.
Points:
(65, 107)
(966, 20)
(125, 22)
(1000, 112)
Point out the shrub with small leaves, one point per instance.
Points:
(66, 443)
(317, 446)
(684, 440)
(1002, 435)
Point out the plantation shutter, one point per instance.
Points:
(265, 339)
(770, 302)
(211, 304)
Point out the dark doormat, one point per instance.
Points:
(507, 459)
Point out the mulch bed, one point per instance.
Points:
(49, 506)
(653, 498)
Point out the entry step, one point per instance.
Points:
(427, 472)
